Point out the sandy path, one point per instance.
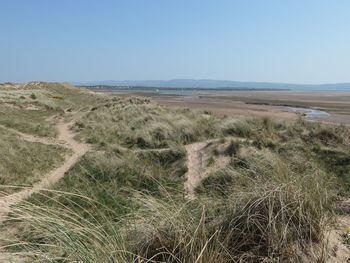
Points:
(65, 136)
(195, 167)
(197, 161)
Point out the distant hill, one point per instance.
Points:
(208, 83)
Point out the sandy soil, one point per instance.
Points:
(194, 166)
(198, 155)
(338, 251)
(229, 108)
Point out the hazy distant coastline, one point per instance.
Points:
(213, 84)
(174, 89)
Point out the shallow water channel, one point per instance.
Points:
(309, 113)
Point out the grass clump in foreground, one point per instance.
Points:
(256, 221)
(275, 211)
(23, 163)
(270, 204)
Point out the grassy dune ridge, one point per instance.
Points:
(139, 123)
(28, 108)
(125, 200)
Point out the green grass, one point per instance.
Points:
(267, 211)
(139, 123)
(269, 204)
(28, 110)
(27, 121)
(22, 162)
(336, 162)
(126, 201)
(110, 178)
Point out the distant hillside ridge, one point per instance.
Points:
(208, 83)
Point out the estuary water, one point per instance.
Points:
(309, 113)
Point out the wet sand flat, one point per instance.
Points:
(272, 104)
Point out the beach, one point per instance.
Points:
(279, 105)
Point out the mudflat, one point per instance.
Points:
(273, 104)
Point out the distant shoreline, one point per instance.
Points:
(149, 88)
(178, 90)
(249, 102)
(216, 84)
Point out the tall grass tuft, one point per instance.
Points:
(267, 211)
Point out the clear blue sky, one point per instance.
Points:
(297, 41)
